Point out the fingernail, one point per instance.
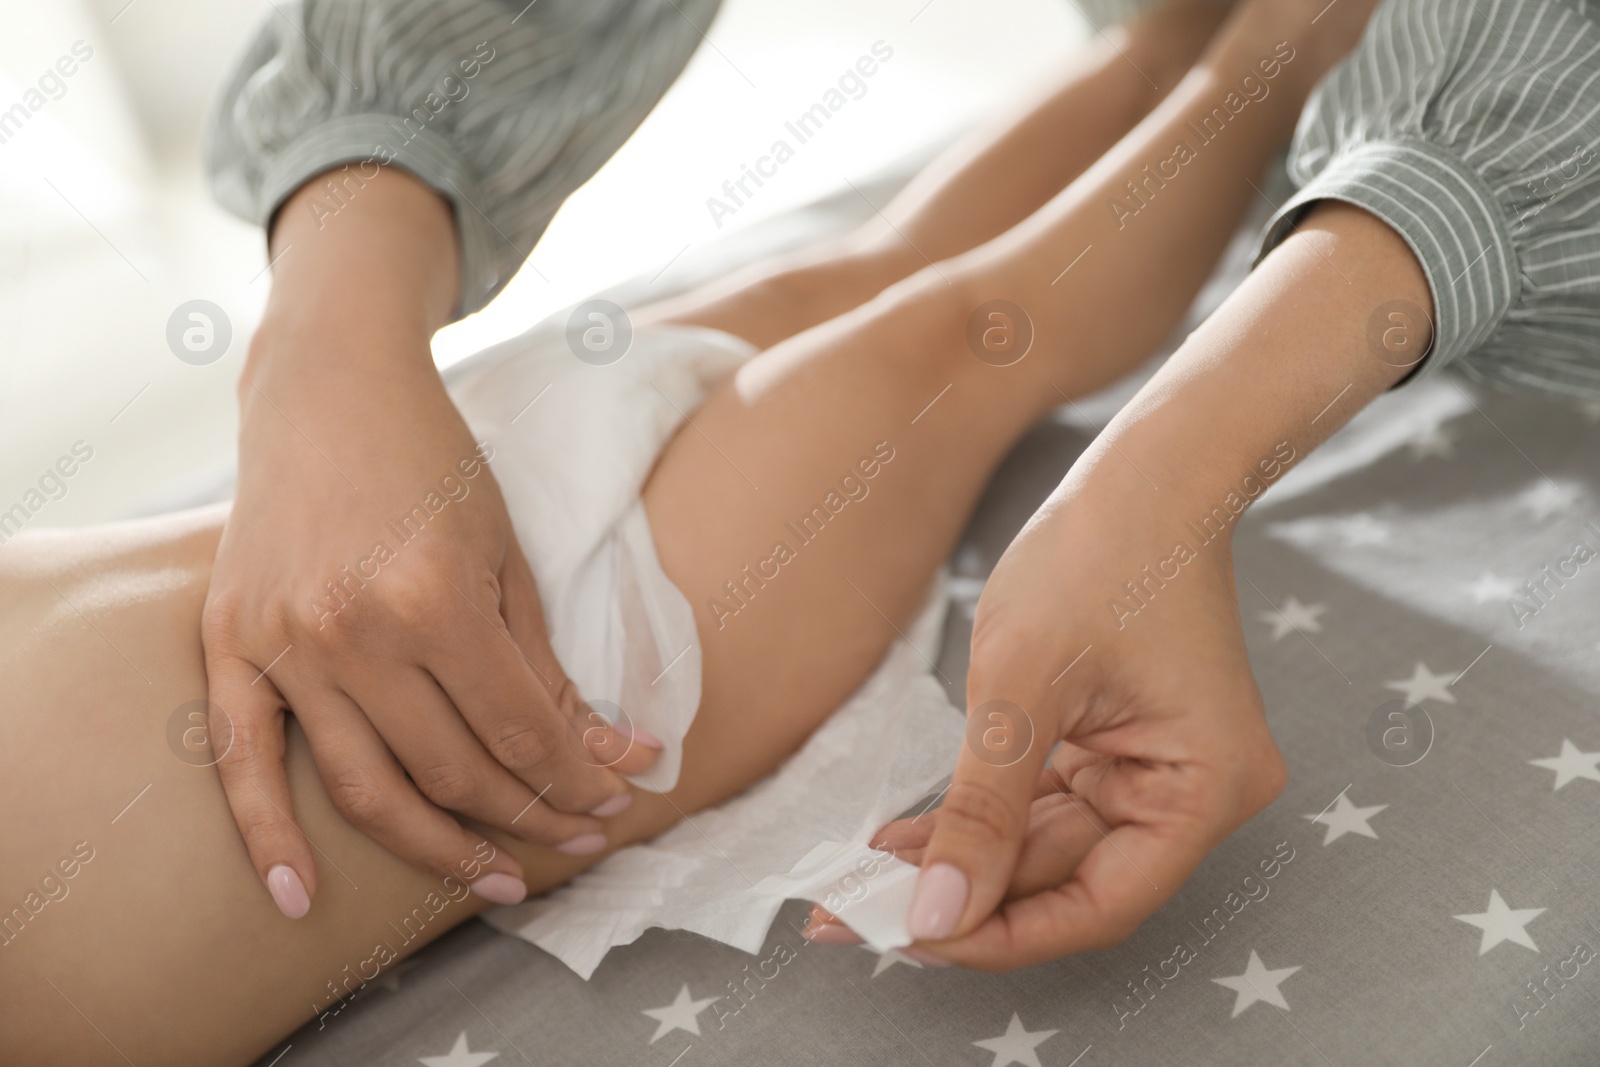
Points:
(937, 902)
(583, 845)
(927, 959)
(831, 934)
(643, 736)
(288, 891)
(500, 888)
(615, 806)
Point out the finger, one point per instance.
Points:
(824, 928)
(982, 820)
(525, 726)
(1061, 831)
(621, 746)
(452, 768)
(912, 834)
(905, 835)
(245, 727)
(1124, 878)
(368, 788)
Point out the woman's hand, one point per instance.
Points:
(1111, 626)
(368, 579)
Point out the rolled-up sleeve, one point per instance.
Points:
(503, 108)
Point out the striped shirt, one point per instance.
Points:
(1472, 127)
(505, 108)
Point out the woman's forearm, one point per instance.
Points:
(1292, 357)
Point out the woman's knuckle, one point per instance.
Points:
(978, 809)
(448, 785)
(262, 827)
(519, 744)
(358, 798)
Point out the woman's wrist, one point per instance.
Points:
(366, 278)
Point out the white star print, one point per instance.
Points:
(1571, 764)
(1016, 1045)
(1346, 818)
(1294, 617)
(1424, 685)
(1547, 498)
(1363, 529)
(889, 958)
(1491, 587)
(1434, 441)
(458, 1056)
(681, 1014)
(1501, 923)
(1257, 983)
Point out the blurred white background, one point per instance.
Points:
(108, 225)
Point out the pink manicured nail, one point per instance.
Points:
(927, 959)
(583, 845)
(937, 902)
(831, 934)
(615, 806)
(288, 892)
(500, 888)
(643, 736)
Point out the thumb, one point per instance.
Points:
(603, 734)
(982, 822)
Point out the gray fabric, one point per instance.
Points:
(504, 106)
(1401, 544)
(1471, 128)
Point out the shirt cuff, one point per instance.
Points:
(368, 141)
(1447, 215)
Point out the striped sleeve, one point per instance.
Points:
(1473, 130)
(504, 108)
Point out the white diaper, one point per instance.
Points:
(573, 444)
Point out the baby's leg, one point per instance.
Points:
(981, 186)
(801, 568)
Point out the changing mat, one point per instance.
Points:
(572, 443)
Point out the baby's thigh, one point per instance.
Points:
(131, 921)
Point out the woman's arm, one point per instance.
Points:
(407, 155)
(1161, 724)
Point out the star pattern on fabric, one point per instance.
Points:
(1257, 983)
(888, 958)
(460, 1055)
(1503, 923)
(1547, 498)
(1491, 587)
(1424, 685)
(1571, 764)
(682, 1014)
(1294, 617)
(1345, 818)
(1016, 1045)
(1363, 529)
(1434, 441)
